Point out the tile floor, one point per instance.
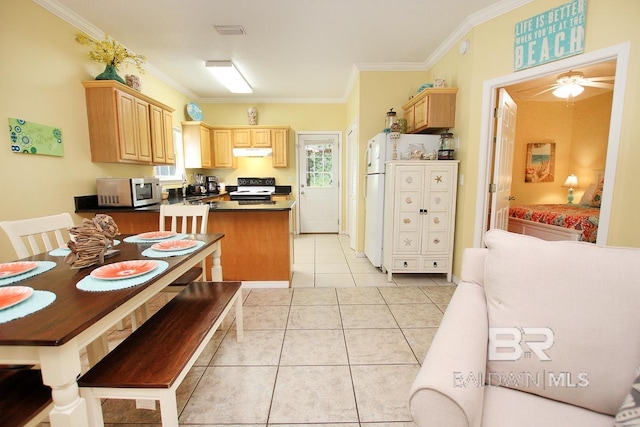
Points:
(339, 348)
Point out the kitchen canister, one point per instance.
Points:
(447, 145)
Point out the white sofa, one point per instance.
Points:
(573, 303)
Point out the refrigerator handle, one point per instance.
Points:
(368, 155)
(366, 177)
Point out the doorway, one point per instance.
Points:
(619, 53)
(319, 177)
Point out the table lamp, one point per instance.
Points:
(571, 182)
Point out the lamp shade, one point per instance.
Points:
(571, 182)
(229, 76)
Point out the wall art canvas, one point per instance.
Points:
(33, 138)
(541, 162)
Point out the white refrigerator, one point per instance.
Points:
(379, 151)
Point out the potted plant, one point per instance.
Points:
(111, 53)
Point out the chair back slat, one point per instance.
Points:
(37, 232)
(196, 214)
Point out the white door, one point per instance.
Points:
(318, 192)
(352, 187)
(505, 143)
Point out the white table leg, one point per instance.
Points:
(216, 266)
(60, 367)
(239, 318)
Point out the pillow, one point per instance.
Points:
(587, 197)
(597, 196)
(564, 317)
(629, 413)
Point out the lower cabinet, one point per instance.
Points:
(420, 208)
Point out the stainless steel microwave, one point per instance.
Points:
(132, 192)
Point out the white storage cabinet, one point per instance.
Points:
(419, 217)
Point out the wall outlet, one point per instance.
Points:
(457, 142)
(461, 180)
(290, 178)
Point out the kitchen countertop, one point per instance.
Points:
(89, 204)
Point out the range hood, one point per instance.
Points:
(252, 152)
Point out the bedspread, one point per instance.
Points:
(577, 217)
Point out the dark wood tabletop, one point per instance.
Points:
(74, 310)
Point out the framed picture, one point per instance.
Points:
(541, 162)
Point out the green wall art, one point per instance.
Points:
(33, 138)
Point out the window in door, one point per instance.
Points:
(319, 165)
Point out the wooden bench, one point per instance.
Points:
(152, 362)
(24, 399)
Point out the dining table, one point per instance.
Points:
(79, 316)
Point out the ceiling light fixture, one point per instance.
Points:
(568, 90)
(230, 30)
(229, 76)
(570, 85)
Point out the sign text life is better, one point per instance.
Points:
(551, 35)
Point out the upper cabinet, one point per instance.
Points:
(280, 142)
(126, 126)
(254, 138)
(196, 139)
(162, 136)
(223, 149)
(431, 110)
(211, 147)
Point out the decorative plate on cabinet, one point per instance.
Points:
(194, 111)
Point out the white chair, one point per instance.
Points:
(38, 233)
(185, 219)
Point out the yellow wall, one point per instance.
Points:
(379, 91)
(42, 67)
(579, 131)
(300, 117)
(491, 56)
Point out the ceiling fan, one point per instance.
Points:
(572, 83)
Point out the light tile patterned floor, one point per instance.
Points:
(340, 348)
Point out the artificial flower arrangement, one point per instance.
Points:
(111, 53)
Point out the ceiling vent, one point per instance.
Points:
(230, 30)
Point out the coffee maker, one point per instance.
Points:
(213, 185)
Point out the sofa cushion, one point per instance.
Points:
(569, 317)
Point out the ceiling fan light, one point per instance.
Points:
(229, 76)
(569, 90)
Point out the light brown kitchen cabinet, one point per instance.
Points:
(120, 123)
(279, 141)
(223, 149)
(432, 110)
(196, 139)
(162, 136)
(254, 138)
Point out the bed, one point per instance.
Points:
(561, 222)
(555, 222)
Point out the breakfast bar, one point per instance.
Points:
(258, 246)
